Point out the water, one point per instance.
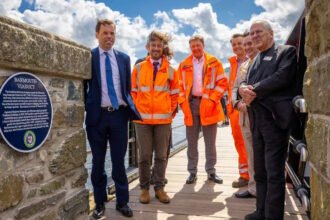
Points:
(178, 136)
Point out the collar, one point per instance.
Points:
(201, 60)
(159, 61)
(110, 52)
(241, 60)
(262, 53)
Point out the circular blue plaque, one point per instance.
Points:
(25, 112)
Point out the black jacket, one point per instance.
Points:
(273, 75)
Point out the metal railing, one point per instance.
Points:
(131, 159)
(297, 165)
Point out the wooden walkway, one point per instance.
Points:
(204, 200)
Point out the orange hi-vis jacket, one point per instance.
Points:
(214, 86)
(232, 78)
(156, 100)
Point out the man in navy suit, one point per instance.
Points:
(109, 106)
(268, 91)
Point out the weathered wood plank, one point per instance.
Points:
(203, 200)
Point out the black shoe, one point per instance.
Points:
(244, 195)
(191, 178)
(99, 211)
(254, 216)
(214, 177)
(125, 210)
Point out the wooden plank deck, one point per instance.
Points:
(204, 200)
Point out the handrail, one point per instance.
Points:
(132, 139)
(299, 104)
(300, 148)
(302, 193)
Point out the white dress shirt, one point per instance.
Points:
(159, 62)
(197, 89)
(105, 100)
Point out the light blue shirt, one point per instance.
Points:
(105, 100)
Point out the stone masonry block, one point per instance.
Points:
(26, 48)
(70, 154)
(52, 186)
(320, 197)
(318, 142)
(68, 115)
(317, 29)
(34, 208)
(317, 87)
(10, 196)
(76, 205)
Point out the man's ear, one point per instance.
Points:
(147, 47)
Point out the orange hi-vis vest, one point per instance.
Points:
(156, 100)
(214, 86)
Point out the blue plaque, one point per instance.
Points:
(25, 112)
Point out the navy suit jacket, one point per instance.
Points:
(92, 87)
(273, 76)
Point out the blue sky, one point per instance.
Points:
(216, 20)
(224, 8)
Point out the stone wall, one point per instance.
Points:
(50, 182)
(316, 92)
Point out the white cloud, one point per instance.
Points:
(76, 19)
(282, 15)
(10, 7)
(165, 23)
(205, 22)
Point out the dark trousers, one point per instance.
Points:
(270, 150)
(153, 139)
(112, 127)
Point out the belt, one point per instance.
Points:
(196, 97)
(111, 109)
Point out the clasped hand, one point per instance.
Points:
(247, 94)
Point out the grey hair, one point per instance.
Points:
(264, 23)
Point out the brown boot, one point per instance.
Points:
(240, 183)
(144, 196)
(162, 196)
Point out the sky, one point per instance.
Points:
(215, 20)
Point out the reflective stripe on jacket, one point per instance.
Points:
(156, 100)
(215, 85)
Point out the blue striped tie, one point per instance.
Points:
(111, 87)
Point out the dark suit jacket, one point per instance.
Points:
(92, 87)
(273, 76)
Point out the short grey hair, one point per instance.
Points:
(197, 37)
(264, 23)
